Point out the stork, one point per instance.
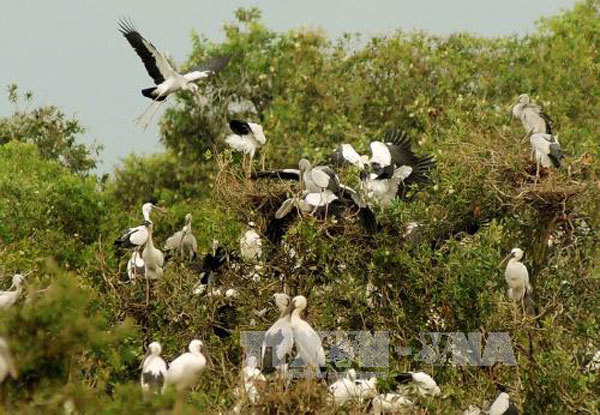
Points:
(184, 241)
(9, 298)
(392, 403)
(420, 382)
(154, 260)
(279, 339)
(247, 137)
(533, 118)
(502, 406)
(306, 340)
(184, 371)
(251, 244)
(517, 277)
(154, 369)
(166, 78)
(546, 151)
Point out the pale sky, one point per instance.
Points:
(69, 53)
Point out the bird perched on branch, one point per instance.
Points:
(154, 369)
(306, 339)
(247, 137)
(184, 241)
(279, 339)
(9, 298)
(546, 151)
(517, 278)
(166, 78)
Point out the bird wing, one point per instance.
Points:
(499, 406)
(208, 68)
(157, 66)
(322, 177)
(240, 127)
(284, 174)
(138, 236)
(380, 154)
(539, 120)
(174, 241)
(350, 155)
(258, 132)
(320, 199)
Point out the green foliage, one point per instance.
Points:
(452, 95)
(49, 129)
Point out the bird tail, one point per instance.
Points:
(368, 220)
(149, 93)
(556, 154)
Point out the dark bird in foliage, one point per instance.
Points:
(154, 369)
(166, 78)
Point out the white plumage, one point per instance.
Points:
(500, 405)
(152, 256)
(392, 403)
(517, 276)
(344, 389)
(183, 241)
(279, 338)
(384, 191)
(184, 371)
(532, 117)
(154, 369)
(307, 341)
(248, 137)
(7, 364)
(9, 298)
(251, 244)
(546, 150)
(135, 265)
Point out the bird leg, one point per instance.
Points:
(537, 172)
(262, 160)
(179, 400)
(140, 120)
(147, 290)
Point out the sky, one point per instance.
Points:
(69, 53)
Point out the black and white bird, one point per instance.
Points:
(278, 343)
(166, 78)
(136, 237)
(306, 340)
(9, 298)
(392, 168)
(503, 406)
(183, 241)
(546, 151)
(247, 138)
(533, 118)
(212, 264)
(154, 369)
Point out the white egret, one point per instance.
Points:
(251, 244)
(247, 137)
(7, 364)
(184, 371)
(392, 403)
(9, 298)
(533, 118)
(517, 277)
(307, 341)
(278, 343)
(184, 241)
(166, 78)
(154, 369)
(502, 406)
(419, 382)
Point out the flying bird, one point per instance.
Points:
(247, 138)
(533, 118)
(7, 364)
(154, 369)
(9, 298)
(306, 339)
(279, 339)
(183, 241)
(166, 78)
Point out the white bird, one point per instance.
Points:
(533, 118)
(502, 406)
(546, 151)
(472, 410)
(251, 244)
(136, 237)
(344, 389)
(254, 382)
(166, 78)
(247, 138)
(7, 364)
(420, 382)
(279, 338)
(392, 403)
(307, 341)
(517, 276)
(184, 241)
(135, 265)
(153, 257)
(9, 298)
(384, 191)
(154, 369)
(184, 371)
(594, 364)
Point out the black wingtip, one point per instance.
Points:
(239, 127)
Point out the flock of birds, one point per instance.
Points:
(387, 173)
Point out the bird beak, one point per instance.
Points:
(506, 259)
(290, 308)
(160, 209)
